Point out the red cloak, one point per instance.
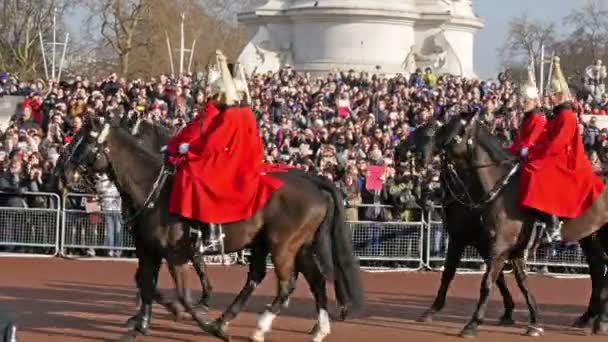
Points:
(531, 129)
(558, 178)
(221, 179)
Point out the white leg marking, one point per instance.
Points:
(323, 327)
(264, 326)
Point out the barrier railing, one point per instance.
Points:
(79, 226)
(389, 242)
(29, 224)
(438, 241)
(90, 230)
(564, 256)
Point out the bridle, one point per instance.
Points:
(101, 150)
(451, 175)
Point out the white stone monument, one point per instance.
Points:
(397, 35)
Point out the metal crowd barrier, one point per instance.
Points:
(29, 224)
(89, 230)
(77, 226)
(401, 242)
(564, 256)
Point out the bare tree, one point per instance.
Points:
(19, 24)
(526, 38)
(590, 29)
(117, 22)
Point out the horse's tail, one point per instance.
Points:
(339, 250)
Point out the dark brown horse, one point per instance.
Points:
(467, 144)
(155, 137)
(460, 221)
(290, 222)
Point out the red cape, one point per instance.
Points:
(558, 178)
(221, 180)
(531, 129)
(194, 129)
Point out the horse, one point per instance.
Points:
(288, 227)
(461, 223)
(155, 137)
(465, 143)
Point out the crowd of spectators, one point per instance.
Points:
(338, 125)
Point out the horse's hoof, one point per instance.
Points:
(582, 322)
(314, 329)
(469, 331)
(175, 309)
(600, 327)
(506, 321)
(257, 337)
(318, 334)
(427, 317)
(131, 336)
(215, 328)
(535, 331)
(138, 323)
(343, 314)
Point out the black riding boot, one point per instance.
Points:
(550, 225)
(214, 232)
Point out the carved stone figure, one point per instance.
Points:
(595, 76)
(436, 53)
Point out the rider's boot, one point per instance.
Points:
(214, 232)
(550, 226)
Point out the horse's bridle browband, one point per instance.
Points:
(102, 149)
(451, 169)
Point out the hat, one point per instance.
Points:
(558, 83)
(529, 90)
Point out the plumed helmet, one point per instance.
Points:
(231, 94)
(214, 79)
(529, 90)
(240, 82)
(558, 83)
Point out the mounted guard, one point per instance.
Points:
(531, 128)
(219, 179)
(558, 178)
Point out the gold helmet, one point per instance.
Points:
(240, 81)
(215, 82)
(558, 83)
(529, 90)
(231, 96)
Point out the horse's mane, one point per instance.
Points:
(489, 142)
(130, 145)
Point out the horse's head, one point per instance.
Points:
(85, 156)
(456, 136)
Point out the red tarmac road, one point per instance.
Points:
(61, 300)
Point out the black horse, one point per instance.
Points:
(461, 222)
(466, 144)
(287, 228)
(154, 137)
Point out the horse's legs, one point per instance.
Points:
(145, 278)
(257, 273)
(452, 259)
(519, 268)
(316, 281)
(600, 325)
(284, 262)
(198, 261)
(507, 317)
(593, 253)
(495, 266)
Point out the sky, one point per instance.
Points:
(496, 15)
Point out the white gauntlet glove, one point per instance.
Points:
(183, 148)
(524, 152)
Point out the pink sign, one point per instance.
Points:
(374, 177)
